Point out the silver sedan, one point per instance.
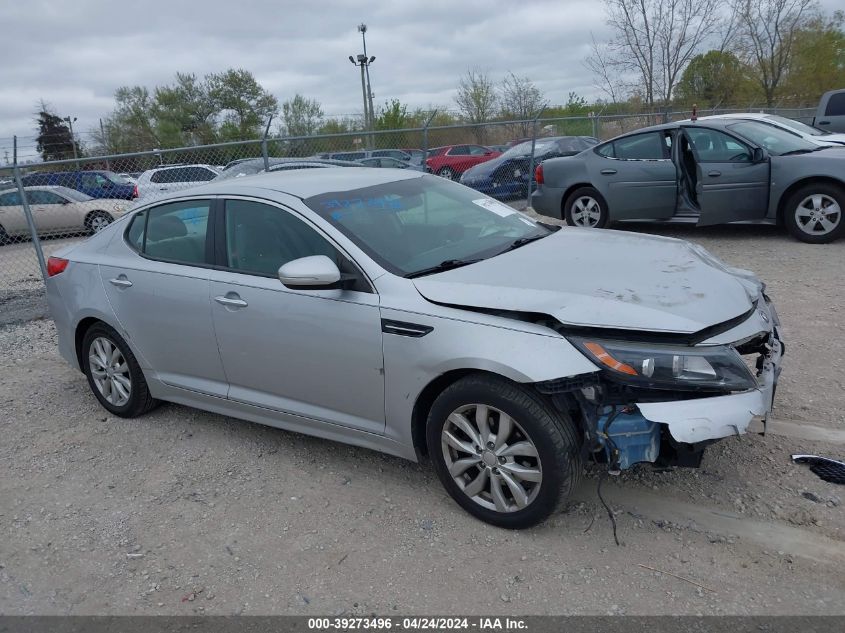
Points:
(409, 314)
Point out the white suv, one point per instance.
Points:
(173, 178)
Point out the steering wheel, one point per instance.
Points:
(742, 156)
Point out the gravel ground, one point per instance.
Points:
(185, 512)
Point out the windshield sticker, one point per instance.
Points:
(495, 206)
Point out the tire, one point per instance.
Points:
(448, 173)
(545, 443)
(4, 237)
(97, 221)
(102, 338)
(586, 208)
(809, 206)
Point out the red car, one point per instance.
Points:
(450, 161)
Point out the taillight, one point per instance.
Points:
(56, 265)
(538, 174)
(135, 191)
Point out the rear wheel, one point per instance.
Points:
(97, 221)
(813, 214)
(4, 237)
(447, 172)
(113, 373)
(502, 453)
(586, 208)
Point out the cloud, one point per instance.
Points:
(74, 55)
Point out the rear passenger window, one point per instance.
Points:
(135, 234)
(647, 146)
(836, 105)
(173, 232)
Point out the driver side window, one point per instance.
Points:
(261, 238)
(713, 146)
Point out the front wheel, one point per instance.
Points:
(586, 208)
(501, 452)
(813, 214)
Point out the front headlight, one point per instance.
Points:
(716, 368)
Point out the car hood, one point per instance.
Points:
(602, 278)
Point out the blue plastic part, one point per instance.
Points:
(636, 439)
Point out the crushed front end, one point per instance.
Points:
(660, 400)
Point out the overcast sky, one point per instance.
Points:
(74, 54)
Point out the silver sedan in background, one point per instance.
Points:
(409, 314)
(707, 172)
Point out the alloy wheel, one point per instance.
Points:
(586, 212)
(110, 371)
(818, 214)
(99, 222)
(491, 458)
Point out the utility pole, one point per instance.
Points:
(106, 146)
(73, 140)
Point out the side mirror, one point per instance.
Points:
(316, 271)
(758, 155)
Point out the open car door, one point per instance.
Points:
(730, 185)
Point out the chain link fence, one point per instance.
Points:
(46, 206)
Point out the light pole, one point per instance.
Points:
(364, 62)
(362, 29)
(73, 140)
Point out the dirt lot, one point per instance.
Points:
(184, 512)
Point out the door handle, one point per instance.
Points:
(234, 302)
(120, 282)
(608, 172)
(823, 123)
(714, 173)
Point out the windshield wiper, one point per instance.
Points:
(522, 241)
(801, 151)
(448, 264)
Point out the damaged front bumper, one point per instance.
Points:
(701, 419)
(651, 426)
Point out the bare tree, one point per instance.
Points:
(603, 67)
(476, 99)
(766, 34)
(520, 99)
(655, 39)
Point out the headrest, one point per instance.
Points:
(164, 228)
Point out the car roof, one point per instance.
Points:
(737, 115)
(302, 183)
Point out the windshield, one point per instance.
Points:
(803, 128)
(244, 168)
(411, 225)
(116, 178)
(524, 149)
(773, 140)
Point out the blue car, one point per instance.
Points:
(506, 176)
(97, 184)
